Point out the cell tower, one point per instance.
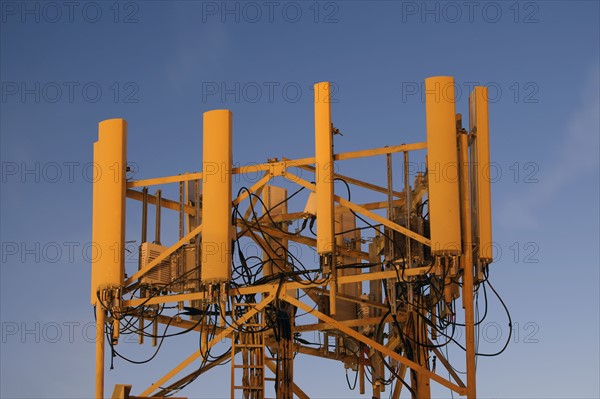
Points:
(384, 283)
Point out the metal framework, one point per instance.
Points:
(383, 290)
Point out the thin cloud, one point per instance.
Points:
(578, 155)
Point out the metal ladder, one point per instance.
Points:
(249, 365)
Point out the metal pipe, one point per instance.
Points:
(158, 212)
(361, 371)
(144, 239)
(183, 200)
(141, 319)
(324, 169)
(390, 204)
(197, 238)
(324, 176)
(144, 214)
(155, 328)
(467, 264)
(408, 206)
(391, 245)
(100, 317)
(423, 381)
(181, 209)
(116, 330)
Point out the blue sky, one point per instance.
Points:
(160, 65)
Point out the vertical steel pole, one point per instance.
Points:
(144, 214)
(361, 371)
(324, 183)
(390, 203)
(324, 169)
(408, 206)
(144, 238)
(108, 230)
(467, 263)
(99, 351)
(423, 382)
(181, 209)
(158, 214)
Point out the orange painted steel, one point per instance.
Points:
(108, 219)
(479, 127)
(442, 166)
(216, 207)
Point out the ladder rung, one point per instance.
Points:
(253, 387)
(243, 366)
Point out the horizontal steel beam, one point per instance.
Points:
(288, 162)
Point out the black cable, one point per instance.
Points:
(353, 386)
(509, 325)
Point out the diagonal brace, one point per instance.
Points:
(224, 334)
(375, 345)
